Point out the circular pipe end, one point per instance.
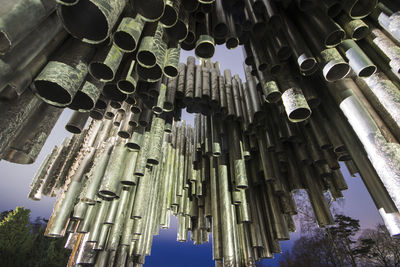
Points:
(300, 114)
(367, 71)
(205, 47)
(73, 129)
(124, 41)
(170, 17)
(360, 32)
(334, 38)
(126, 87)
(170, 71)
(146, 58)
(124, 134)
(101, 71)
(85, 21)
(232, 43)
(52, 93)
(335, 70)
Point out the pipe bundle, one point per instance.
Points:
(321, 87)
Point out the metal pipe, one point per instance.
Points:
(111, 180)
(386, 132)
(387, 19)
(331, 8)
(380, 196)
(205, 45)
(96, 20)
(26, 146)
(12, 31)
(304, 58)
(355, 29)
(29, 48)
(157, 132)
(179, 31)
(383, 96)
(296, 106)
(358, 9)
(386, 48)
(127, 35)
(106, 62)
(143, 153)
(171, 61)
(364, 127)
(189, 82)
(226, 221)
(87, 96)
(77, 122)
(170, 16)
(64, 74)
(41, 177)
(358, 61)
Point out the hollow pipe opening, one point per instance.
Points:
(334, 38)
(334, 71)
(126, 87)
(232, 43)
(85, 21)
(367, 71)
(146, 58)
(362, 8)
(124, 41)
(53, 92)
(360, 32)
(171, 71)
(82, 101)
(101, 71)
(170, 17)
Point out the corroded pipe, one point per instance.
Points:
(127, 35)
(171, 12)
(26, 146)
(87, 96)
(31, 12)
(387, 19)
(63, 75)
(105, 63)
(355, 29)
(77, 122)
(96, 20)
(112, 175)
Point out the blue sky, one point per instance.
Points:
(15, 180)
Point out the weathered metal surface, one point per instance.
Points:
(232, 173)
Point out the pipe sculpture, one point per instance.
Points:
(309, 100)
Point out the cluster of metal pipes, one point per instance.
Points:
(321, 87)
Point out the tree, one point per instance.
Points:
(15, 238)
(332, 246)
(23, 243)
(4, 214)
(312, 250)
(48, 251)
(342, 233)
(378, 248)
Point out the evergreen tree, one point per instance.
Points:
(15, 238)
(23, 243)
